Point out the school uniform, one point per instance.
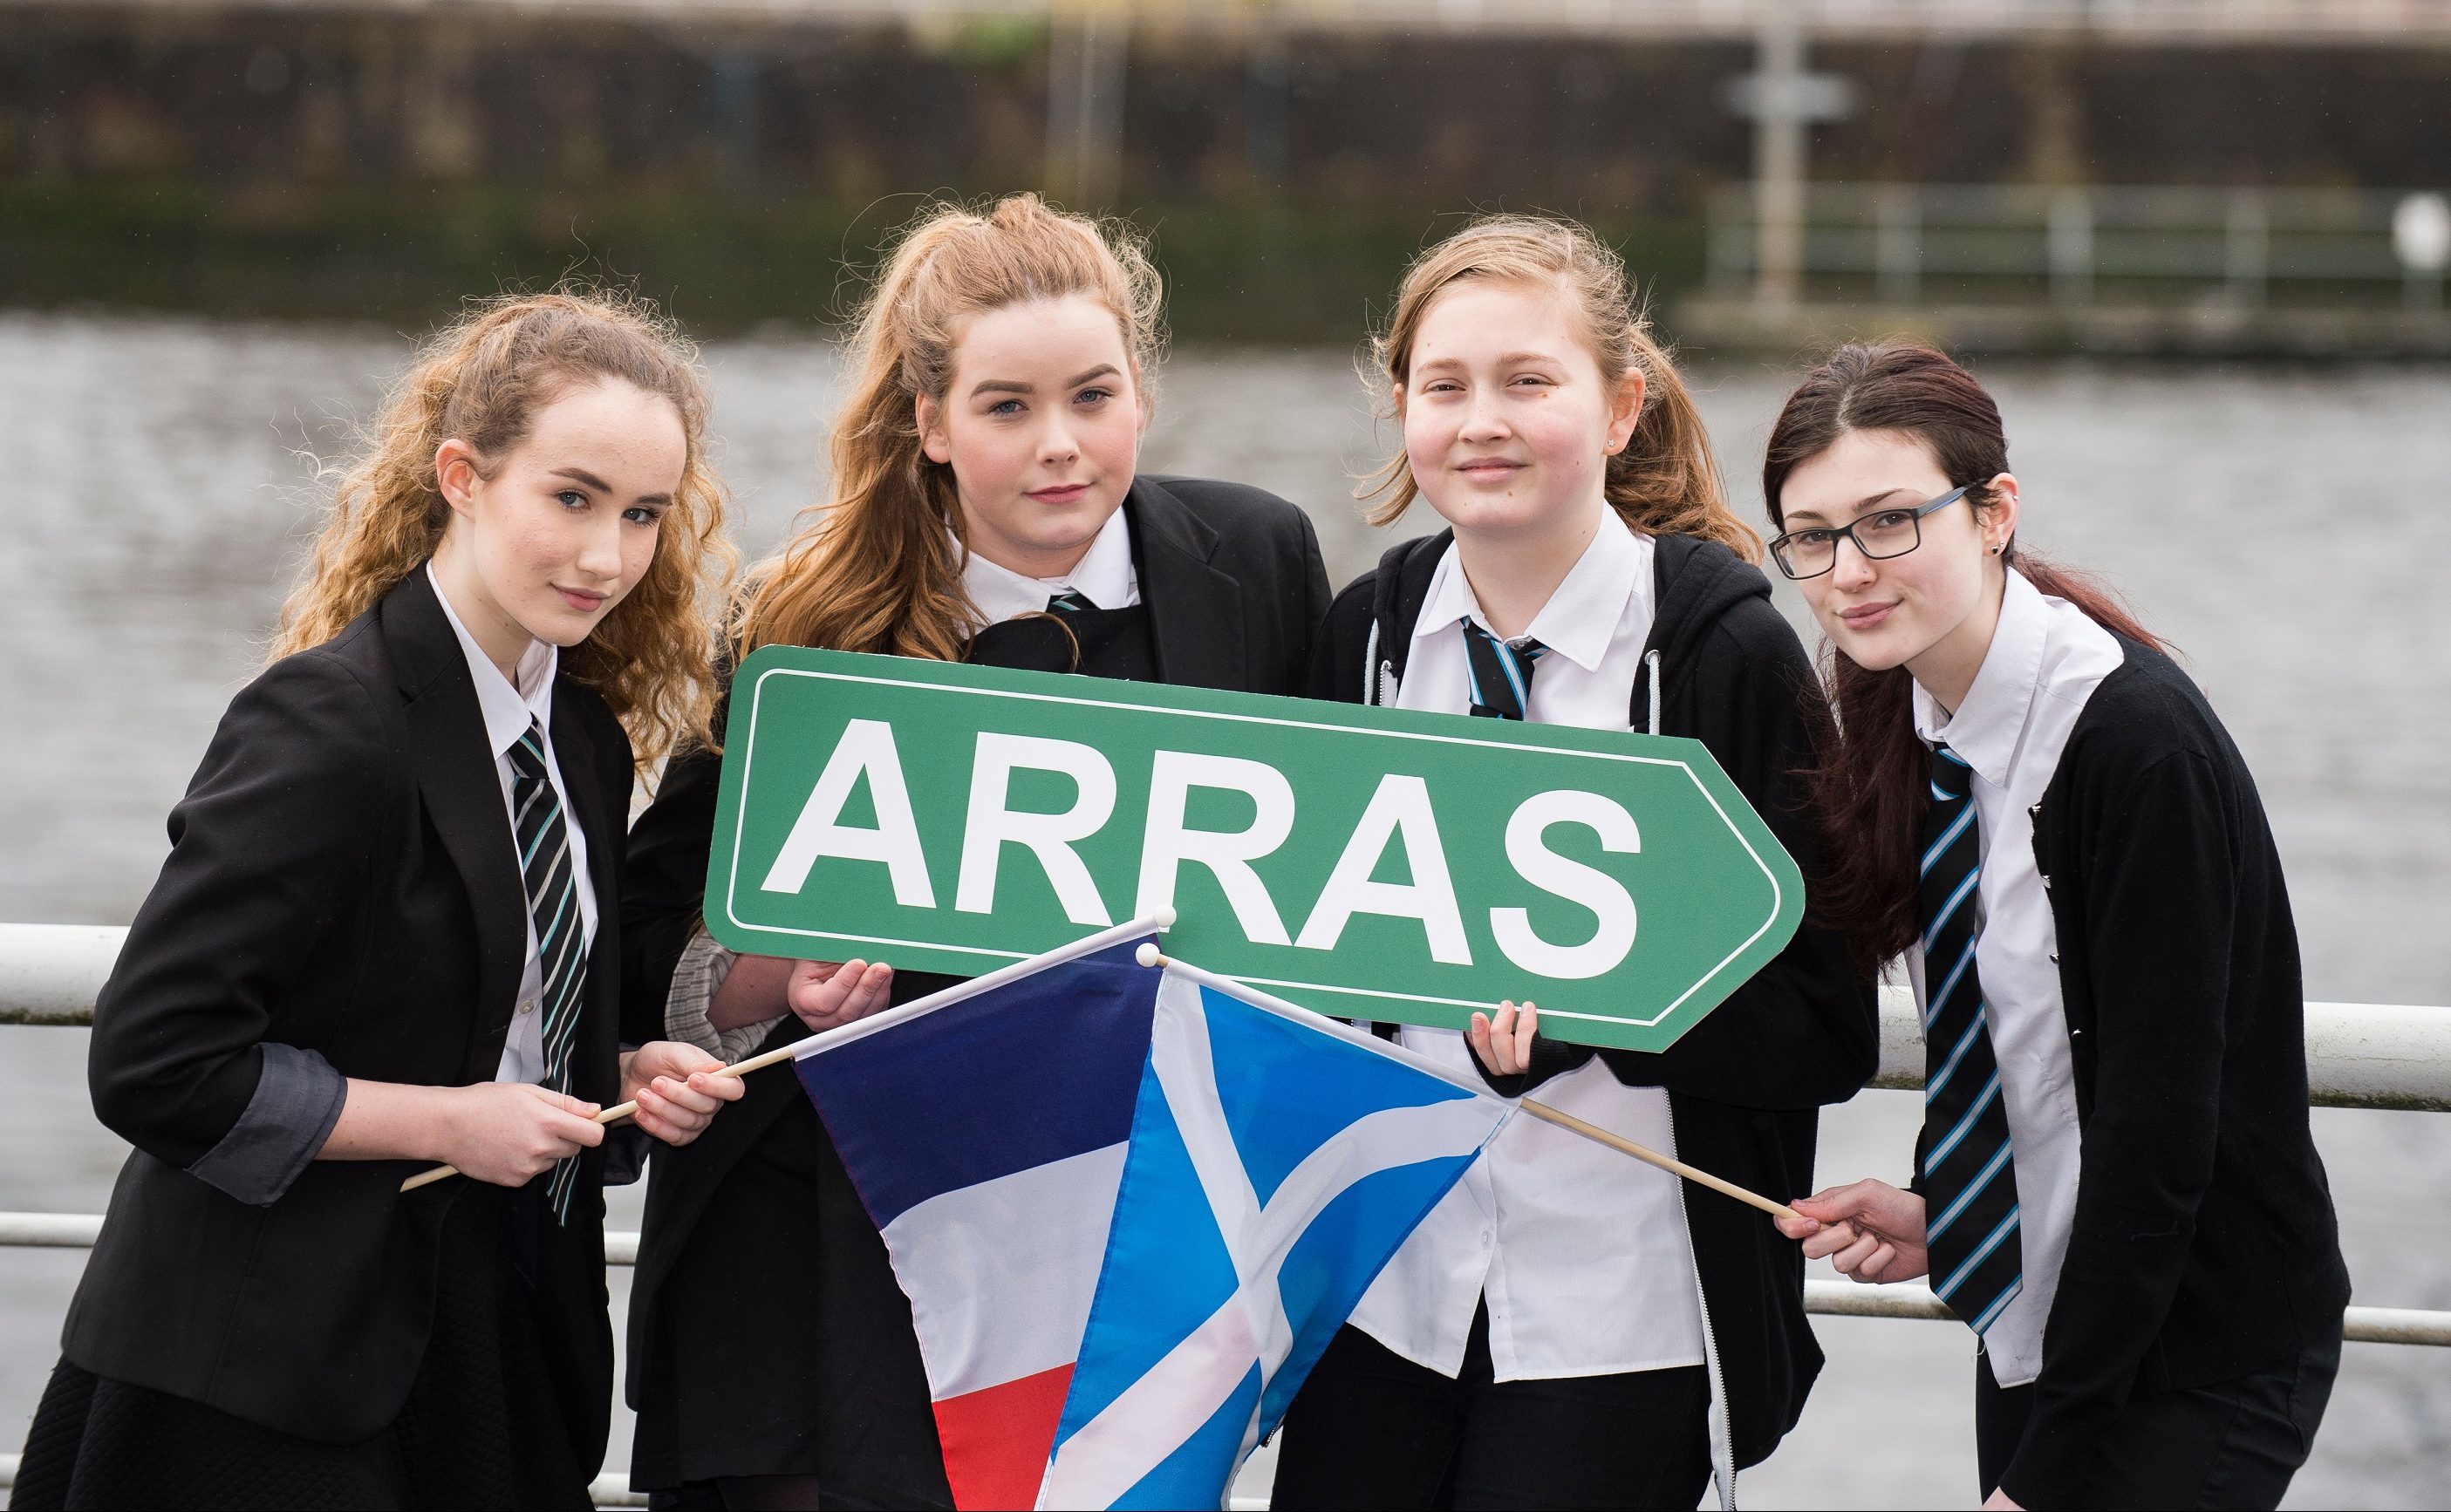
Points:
(1194, 583)
(2123, 1195)
(1561, 1292)
(345, 898)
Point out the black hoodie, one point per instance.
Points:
(1744, 1085)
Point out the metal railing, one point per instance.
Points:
(1905, 243)
(2358, 1056)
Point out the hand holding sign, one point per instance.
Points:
(828, 994)
(1366, 862)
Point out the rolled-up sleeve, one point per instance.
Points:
(298, 1099)
(700, 974)
(273, 852)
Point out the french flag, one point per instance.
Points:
(1129, 1206)
(987, 1137)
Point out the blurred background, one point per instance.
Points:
(2197, 248)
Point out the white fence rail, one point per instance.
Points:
(1842, 1299)
(2358, 1054)
(2073, 245)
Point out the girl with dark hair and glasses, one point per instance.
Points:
(2115, 1186)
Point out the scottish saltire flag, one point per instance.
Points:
(1130, 1206)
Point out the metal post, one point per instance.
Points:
(2069, 236)
(1778, 155)
(1085, 105)
(2248, 248)
(1266, 97)
(1899, 243)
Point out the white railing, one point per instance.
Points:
(2358, 1054)
(1908, 242)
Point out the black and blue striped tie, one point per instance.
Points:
(1072, 601)
(561, 939)
(1969, 1178)
(1500, 674)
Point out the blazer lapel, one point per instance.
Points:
(1195, 611)
(462, 792)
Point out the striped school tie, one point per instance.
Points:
(1501, 674)
(1072, 601)
(1969, 1180)
(562, 939)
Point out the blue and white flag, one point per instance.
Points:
(1130, 1206)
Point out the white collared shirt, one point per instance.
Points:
(1581, 1252)
(1104, 576)
(2046, 659)
(507, 712)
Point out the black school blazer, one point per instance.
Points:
(342, 879)
(1234, 586)
(2204, 1245)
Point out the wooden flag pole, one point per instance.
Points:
(1653, 1157)
(1151, 957)
(1161, 919)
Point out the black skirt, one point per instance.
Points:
(485, 1425)
(784, 1345)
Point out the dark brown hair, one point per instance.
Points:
(1870, 767)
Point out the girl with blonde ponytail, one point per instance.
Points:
(387, 937)
(985, 506)
(1569, 1328)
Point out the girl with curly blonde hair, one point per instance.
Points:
(386, 937)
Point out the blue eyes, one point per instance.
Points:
(571, 499)
(1087, 397)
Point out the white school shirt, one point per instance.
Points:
(507, 711)
(1581, 1252)
(2046, 660)
(1104, 576)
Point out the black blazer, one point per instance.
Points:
(2204, 1246)
(342, 880)
(1234, 586)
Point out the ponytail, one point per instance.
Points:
(879, 569)
(1665, 481)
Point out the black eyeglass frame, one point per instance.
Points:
(1915, 517)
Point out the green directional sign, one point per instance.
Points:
(1366, 863)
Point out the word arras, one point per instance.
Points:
(1369, 862)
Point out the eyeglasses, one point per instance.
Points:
(1879, 535)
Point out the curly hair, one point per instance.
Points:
(481, 381)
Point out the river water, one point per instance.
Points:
(2287, 528)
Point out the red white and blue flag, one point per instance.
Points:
(1130, 1206)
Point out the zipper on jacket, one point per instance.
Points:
(1723, 1448)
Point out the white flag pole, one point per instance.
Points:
(829, 1038)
